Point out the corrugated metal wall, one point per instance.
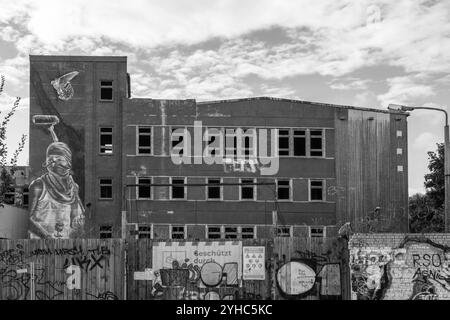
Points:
(367, 172)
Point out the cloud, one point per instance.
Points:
(405, 90)
(425, 141)
(349, 83)
(327, 37)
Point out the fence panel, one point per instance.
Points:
(69, 269)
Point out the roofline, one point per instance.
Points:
(78, 58)
(304, 101)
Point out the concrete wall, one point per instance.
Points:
(400, 266)
(13, 222)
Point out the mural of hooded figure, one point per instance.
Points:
(56, 210)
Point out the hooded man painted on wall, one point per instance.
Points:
(56, 210)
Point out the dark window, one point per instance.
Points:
(144, 231)
(317, 232)
(106, 140)
(316, 143)
(214, 233)
(231, 232)
(283, 142)
(283, 189)
(178, 189)
(247, 189)
(214, 191)
(299, 143)
(105, 232)
(316, 190)
(177, 232)
(247, 232)
(283, 231)
(106, 90)
(144, 140)
(106, 188)
(144, 189)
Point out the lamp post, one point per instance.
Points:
(446, 157)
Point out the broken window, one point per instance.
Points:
(106, 188)
(106, 232)
(214, 232)
(178, 232)
(106, 140)
(247, 232)
(106, 90)
(231, 232)
(144, 231)
(144, 140)
(283, 231)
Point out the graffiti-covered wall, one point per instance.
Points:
(400, 266)
(283, 268)
(61, 269)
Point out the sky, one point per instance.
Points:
(363, 53)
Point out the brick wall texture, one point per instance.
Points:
(400, 266)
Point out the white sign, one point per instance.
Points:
(203, 259)
(296, 278)
(253, 263)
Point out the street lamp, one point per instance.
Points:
(446, 157)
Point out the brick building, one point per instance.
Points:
(337, 164)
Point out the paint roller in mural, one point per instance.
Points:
(56, 210)
(63, 86)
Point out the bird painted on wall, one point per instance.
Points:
(63, 87)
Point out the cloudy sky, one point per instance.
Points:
(365, 53)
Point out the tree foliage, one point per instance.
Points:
(426, 211)
(6, 174)
(434, 181)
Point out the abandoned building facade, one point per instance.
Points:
(335, 164)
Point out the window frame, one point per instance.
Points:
(324, 233)
(289, 137)
(323, 190)
(184, 188)
(100, 141)
(289, 186)
(137, 188)
(103, 232)
(284, 236)
(220, 189)
(253, 186)
(215, 232)
(100, 185)
(146, 232)
(101, 86)
(138, 134)
(241, 232)
(305, 136)
(322, 139)
(177, 226)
